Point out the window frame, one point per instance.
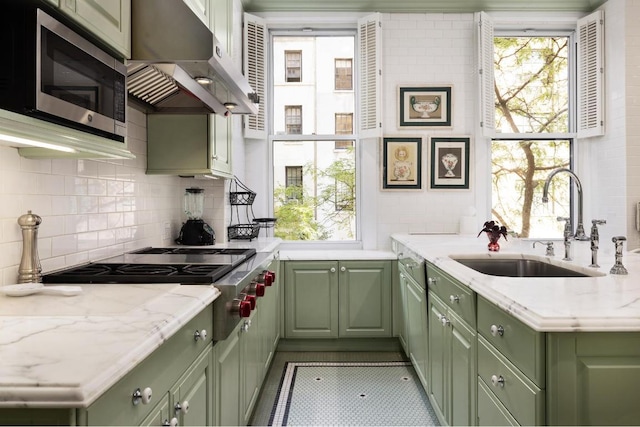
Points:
(347, 30)
(571, 135)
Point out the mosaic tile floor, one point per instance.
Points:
(351, 393)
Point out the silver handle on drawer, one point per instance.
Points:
(184, 407)
(245, 326)
(166, 423)
(333, 269)
(497, 330)
(343, 268)
(142, 396)
(454, 299)
(444, 320)
(197, 335)
(432, 280)
(497, 380)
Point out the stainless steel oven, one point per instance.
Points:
(51, 72)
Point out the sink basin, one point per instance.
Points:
(519, 267)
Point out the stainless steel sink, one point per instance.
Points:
(519, 267)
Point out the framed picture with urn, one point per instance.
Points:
(402, 163)
(424, 106)
(449, 162)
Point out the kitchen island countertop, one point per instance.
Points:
(606, 303)
(65, 351)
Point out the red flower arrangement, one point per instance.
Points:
(493, 231)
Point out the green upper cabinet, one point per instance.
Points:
(201, 8)
(188, 144)
(108, 20)
(331, 299)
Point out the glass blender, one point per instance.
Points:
(195, 231)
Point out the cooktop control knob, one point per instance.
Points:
(252, 300)
(255, 288)
(267, 277)
(241, 307)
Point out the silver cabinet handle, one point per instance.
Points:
(444, 320)
(197, 335)
(184, 407)
(245, 326)
(333, 269)
(432, 280)
(343, 269)
(166, 423)
(142, 396)
(497, 380)
(454, 299)
(497, 330)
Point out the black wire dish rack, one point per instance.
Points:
(241, 195)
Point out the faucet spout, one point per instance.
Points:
(580, 234)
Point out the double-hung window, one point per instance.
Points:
(314, 150)
(530, 105)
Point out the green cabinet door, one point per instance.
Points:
(227, 380)
(270, 323)
(311, 299)
(160, 414)
(252, 364)
(401, 308)
(192, 396)
(452, 364)
(110, 21)
(365, 299)
(188, 144)
(417, 333)
(593, 378)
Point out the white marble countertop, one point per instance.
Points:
(65, 351)
(335, 255)
(604, 303)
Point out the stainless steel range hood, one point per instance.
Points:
(170, 49)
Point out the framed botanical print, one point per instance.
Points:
(424, 106)
(402, 163)
(449, 162)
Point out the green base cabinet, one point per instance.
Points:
(337, 299)
(593, 378)
(415, 319)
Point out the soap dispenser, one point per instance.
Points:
(30, 270)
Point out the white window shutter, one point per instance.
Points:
(590, 75)
(255, 60)
(485, 70)
(370, 76)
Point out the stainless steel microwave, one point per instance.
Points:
(52, 73)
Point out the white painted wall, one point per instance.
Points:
(92, 209)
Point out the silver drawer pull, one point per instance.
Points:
(432, 280)
(142, 396)
(497, 380)
(444, 320)
(454, 299)
(497, 330)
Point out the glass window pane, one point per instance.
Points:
(519, 170)
(319, 203)
(532, 84)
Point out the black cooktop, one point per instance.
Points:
(203, 268)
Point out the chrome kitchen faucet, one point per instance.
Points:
(580, 235)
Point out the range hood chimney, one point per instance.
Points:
(178, 66)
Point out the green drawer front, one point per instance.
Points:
(457, 297)
(414, 269)
(523, 346)
(491, 412)
(159, 371)
(518, 394)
